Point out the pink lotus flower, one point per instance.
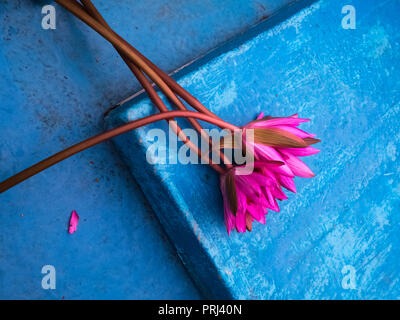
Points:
(277, 145)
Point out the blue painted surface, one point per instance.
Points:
(347, 83)
(54, 88)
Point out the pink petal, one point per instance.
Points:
(298, 167)
(242, 202)
(269, 153)
(262, 217)
(73, 222)
(256, 212)
(240, 219)
(228, 215)
(287, 183)
(246, 188)
(267, 164)
(300, 152)
(255, 180)
(296, 115)
(260, 116)
(271, 202)
(277, 122)
(284, 172)
(241, 222)
(279, 194)
(229, 218)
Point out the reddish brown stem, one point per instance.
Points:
(76, 9)
(91, 9)
(27, 173)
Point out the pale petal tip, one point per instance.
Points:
(260, 116)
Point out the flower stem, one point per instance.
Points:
(176, 87)
(91, 9)
(54, 159)
(129, 52)
(179, 90)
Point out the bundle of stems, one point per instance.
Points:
(144, 70)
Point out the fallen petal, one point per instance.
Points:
(73, 222)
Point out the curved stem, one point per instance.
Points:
(176, 87)
(91, 9)
(154, 97)
(31, 171)
(76, 9)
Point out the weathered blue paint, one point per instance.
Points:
(54, 88)
(347, 82)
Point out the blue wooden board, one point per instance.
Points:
(55, 86)
(347, 217)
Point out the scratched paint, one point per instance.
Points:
(346, 82)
